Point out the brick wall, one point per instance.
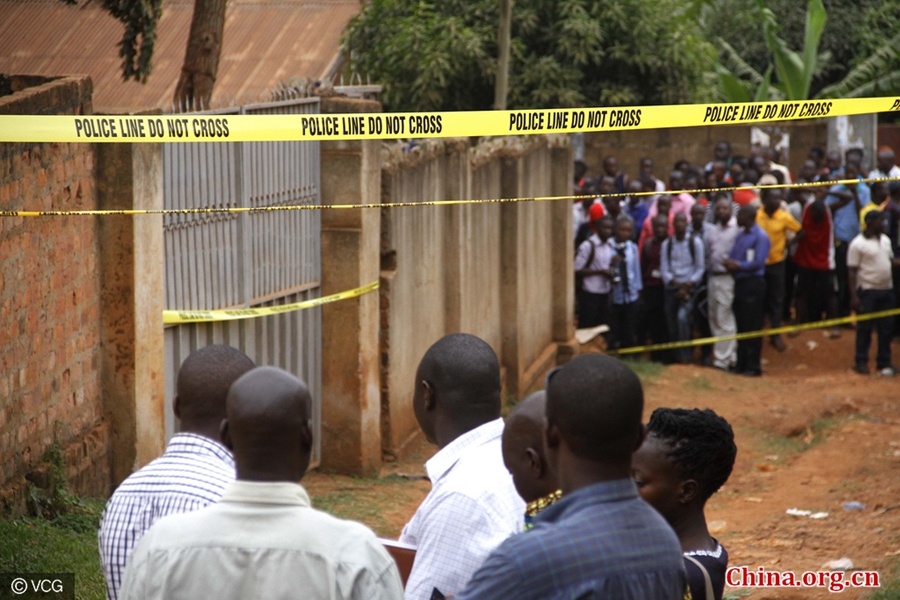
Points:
(49, 302)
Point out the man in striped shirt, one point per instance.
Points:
(190, 475)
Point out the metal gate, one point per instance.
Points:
(221, 260)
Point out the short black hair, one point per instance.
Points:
(205, 378)
(596, 402)
(701, 442)
(464, 369)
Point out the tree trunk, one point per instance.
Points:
(201, 59)
(501, 83)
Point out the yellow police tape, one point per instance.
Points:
(175, 317)
(288, 207)
(382, 126)
(755, 334)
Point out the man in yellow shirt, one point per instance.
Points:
(776, 221)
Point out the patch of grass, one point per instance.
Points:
(67, 544)
(364, 499)
(890, 584)
(700, 383)
(783, 446)
(645, 369)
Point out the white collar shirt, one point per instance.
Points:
(719, 241)
(894, 173)
(472, 508)
(262, 540)
(192, 474)
(603, 253)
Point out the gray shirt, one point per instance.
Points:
(719, 241)
(262, 540)
(680, 264)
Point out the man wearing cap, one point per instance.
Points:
(593, 264)
(870, 261)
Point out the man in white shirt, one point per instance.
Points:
(719, 240)
(473, 505)
(886, 165)
(870, 260)
(593, 264)
(190, 475)
(263, 539)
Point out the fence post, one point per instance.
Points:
(562, 234)
(132, 356)
(351, 396)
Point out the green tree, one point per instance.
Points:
(432, 55)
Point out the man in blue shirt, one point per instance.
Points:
(747, 263)
(600, 540)
(845, 203)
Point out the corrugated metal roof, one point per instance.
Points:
(264, 42)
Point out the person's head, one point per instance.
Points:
(648, 182)
(719, 169)
(624, 230)
(594, 407)
(681, 165)
(268, 426)
(686, 457)
(607, 185)
(457, 388)
(879, 192)
(680, 223)
(635, 188)
(808, 170)
(737, 173)
(611, 166)
(885, 160)
(604, 228)
(771, 199)
(698, 213)
(580, 170)
(778, 176)
(761, 164)
(690, 182)
(711, 181)
(817, 156)
(646, 165)
(851, 169)
(202, 386)
(746, 217)
(751, 176)
(676, 178)
(874, 223)
(523, 449)
(613, 206)
(722, 151)
(818, 210)
(663, 204)
(855, 155)
(660, 227)
(833, 161)
(722, 209)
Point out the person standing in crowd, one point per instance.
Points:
(681, 200)
(834, 163)
(636, 206)
(193, 472)
(662, 207)
(473, 504)
(682, 260)
(720, 287)
(771, 157)
(870, 261)
(817, 156)
(525, 459)
(857, 155)
(593, 264)
(747, 263)
(721, 153)
(263, 539)
(776, 221)
(815, 264)
(887, 167)
(687, 456)
(653, 322)
(581, 216)
(611, 170)
(845, 204)
(580, 184)
(626, 288)
(647, 171)
(746, 194)
(600, 540)
(699, 228)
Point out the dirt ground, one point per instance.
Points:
(811, 435)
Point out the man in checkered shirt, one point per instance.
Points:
(473, 505)
(192, 473)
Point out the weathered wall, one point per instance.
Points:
(480, 269)
(49, 302)
(694, 144)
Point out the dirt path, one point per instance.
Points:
(811, 435)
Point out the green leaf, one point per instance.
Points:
(875, 72)
(732, 87)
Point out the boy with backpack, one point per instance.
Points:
(682, 266)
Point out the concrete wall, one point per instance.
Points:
(50, 296)
(481, 269)
(694, 144)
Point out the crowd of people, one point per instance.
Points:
(716, 251)
(573, 496)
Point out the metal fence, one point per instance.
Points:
(216, 261)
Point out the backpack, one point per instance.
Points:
(579, 279)
(690, 240)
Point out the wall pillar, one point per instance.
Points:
(510, 187)
(351, 396)
(562, 234)
(132, 355)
